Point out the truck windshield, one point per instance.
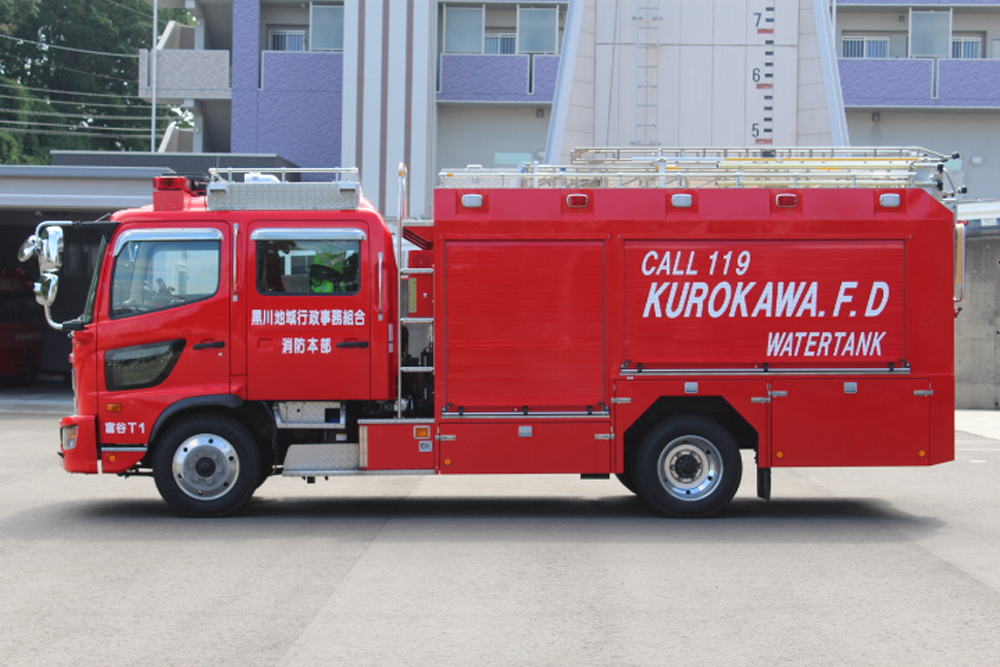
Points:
(88, 309)
(156, 275)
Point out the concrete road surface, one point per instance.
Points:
(842, 567)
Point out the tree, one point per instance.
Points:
(69, 76)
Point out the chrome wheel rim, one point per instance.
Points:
(206, 466)
(690, 468)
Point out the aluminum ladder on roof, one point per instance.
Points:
(406, 229)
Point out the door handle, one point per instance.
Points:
(214, 343)
(353, 343)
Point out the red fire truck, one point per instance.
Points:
(643, 313)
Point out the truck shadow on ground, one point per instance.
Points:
(789, 518)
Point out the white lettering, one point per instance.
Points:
(698, 293)
(653, 300)
(647, 270)
(843, 297)
(740, 298)
(877, 288)
(719, 311)
(764, 302)
(675, 312)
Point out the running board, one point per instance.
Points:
(327, 460)
(321, 459)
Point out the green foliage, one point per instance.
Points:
(54, 98)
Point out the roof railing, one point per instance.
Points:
(651, 167)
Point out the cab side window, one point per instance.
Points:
(308, 267)
(156, 275)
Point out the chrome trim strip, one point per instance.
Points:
(309, 234)
(120, 448)
(171, 234)
(526, 417)
(347, 473)
(633, 373)
(370, 422)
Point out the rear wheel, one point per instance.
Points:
(687, 467)
(207, 466)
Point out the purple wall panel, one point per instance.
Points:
(303, 127)
(969, 83)
(888, 82)
(546, 73)
(243, 135)
(921, 3)
(293, 72)
(907, 82)
(289, 105)
(246, 44)
(496, 78)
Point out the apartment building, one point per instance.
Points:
(438, 83)
(364, 83)
(925, 73)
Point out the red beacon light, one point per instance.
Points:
(170, 183)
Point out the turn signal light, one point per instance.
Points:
(421, 432)
(113, 407)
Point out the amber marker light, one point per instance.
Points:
(421, 432)
(113, 407)
(112, 458)
(447, 462)
(922, 453)
(779, 455)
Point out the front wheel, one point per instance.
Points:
(207, 466)
(688, 467)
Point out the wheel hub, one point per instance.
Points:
(690, 467)
(205, 466)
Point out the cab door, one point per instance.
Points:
(164, 330)
(309, 306)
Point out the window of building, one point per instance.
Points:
(966, 46)
(326, 28)
(316, 26)
(930, 34)
(286, 40)
(500, 29)
(865, 46)
(501, 43)
(537, 30)
(463, 29)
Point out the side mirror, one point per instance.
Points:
(46, 289)
(28, 249)
(51, 248)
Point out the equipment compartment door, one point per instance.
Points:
(310, 309)
(844, 422)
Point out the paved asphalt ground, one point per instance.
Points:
(843, 567)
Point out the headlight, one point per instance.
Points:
(68, 436)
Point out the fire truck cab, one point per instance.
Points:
(643, 314)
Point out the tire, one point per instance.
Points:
(687, 467)
(207, 466)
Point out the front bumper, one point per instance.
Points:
(78, 443)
